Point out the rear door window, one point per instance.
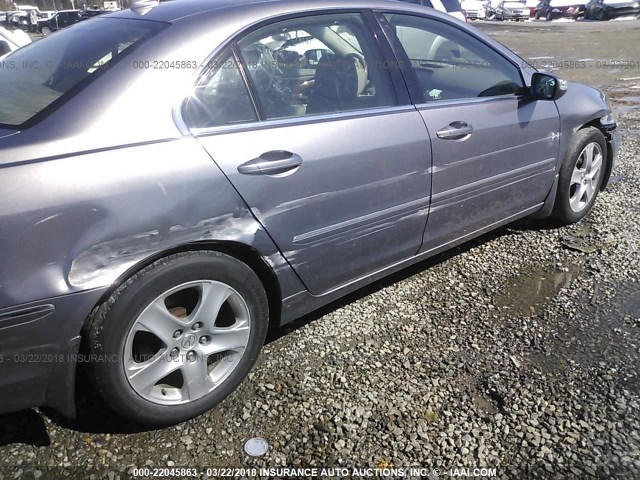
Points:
(316, 65)
(44, 72)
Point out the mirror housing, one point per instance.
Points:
(547, 87)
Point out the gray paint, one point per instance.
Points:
(113, 179)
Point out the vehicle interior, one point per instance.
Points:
(322, 64)
(326, 64)
(450, 66)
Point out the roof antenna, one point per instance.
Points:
(141, 7)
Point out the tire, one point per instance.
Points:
(578, 175)
(537, 15)
(602, 16)
(549, 16)
(170, 294)
(45, 31)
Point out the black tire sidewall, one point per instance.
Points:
(562, 209)
(132, 298)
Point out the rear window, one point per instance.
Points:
(40, 74)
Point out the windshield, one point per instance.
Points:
(36, 76)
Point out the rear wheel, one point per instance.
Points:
(581, 176)
(549, 16)
(602, 16)
(178, 337)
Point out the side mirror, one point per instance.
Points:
(547, 87)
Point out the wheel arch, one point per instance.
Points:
(595, 123)
(240, 251)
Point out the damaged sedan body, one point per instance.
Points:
(176, 180)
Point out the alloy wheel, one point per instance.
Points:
(585, 177)
(186, 342)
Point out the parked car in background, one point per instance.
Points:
(553, 9)
(18, 20)
(490, 8)
(10, 41)
(254, 205)
(512, 10)
(452, 7)
(43, 18)
(531, 5)
(608, 9)
(94, 11)
(474, 9)
(62, 19)
(47, 14)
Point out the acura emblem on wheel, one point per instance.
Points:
(188, 341)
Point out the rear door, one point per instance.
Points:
(339, 174)
(494, 153)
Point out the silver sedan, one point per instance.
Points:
(177, 178)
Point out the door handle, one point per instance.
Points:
(455, 131)
(271, 163)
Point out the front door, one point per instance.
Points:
(494, 153)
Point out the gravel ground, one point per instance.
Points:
(517, 351)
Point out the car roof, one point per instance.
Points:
(175, 10)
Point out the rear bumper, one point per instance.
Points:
(39, 343)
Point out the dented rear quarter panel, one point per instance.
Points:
(82, 222)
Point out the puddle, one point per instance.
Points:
(524, 294)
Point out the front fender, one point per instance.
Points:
(579, 106)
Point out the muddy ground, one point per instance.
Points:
(517, 351)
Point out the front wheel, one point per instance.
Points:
(602, 16)
(549, 16)
(178, 337)
(581, 176)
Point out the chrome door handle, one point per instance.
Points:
(455, 131)
(271, 163)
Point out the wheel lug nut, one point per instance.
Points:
(191, 356)
(177, 333)
(175, 352)
(196, 326)
(204, 339)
